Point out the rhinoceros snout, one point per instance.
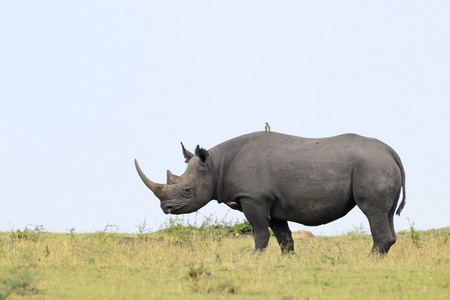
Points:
(167, 209)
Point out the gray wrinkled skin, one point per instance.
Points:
(274, 178)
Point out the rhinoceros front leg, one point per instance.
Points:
(283, 234)
(257, 215)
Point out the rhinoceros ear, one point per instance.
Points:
(188, 155)
(202, 154)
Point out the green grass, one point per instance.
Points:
(217, 261)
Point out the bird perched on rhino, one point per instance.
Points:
(267, 127)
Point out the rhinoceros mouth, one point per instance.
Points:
(173, 208)
(167, 210)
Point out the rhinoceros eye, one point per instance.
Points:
(188, 191)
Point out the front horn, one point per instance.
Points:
(156, 188)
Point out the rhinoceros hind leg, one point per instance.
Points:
(383, 238)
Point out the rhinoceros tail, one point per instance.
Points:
(402, 204)
(402, 171)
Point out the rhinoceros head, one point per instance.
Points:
(188, 192)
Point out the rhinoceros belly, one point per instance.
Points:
(312, 213)
(314, 202)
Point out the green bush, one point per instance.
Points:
(28, 234)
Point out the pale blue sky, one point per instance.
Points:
(88, 86)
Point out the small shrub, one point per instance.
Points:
(415, 236)
(5, 290)
(46, 251)
(208, 227)
(357, 231)
(243, 227)
(28, 234)
(339, 260)
(226, 288)
(143, 231)
(71, 232)
(195, 272)
(111, 228)
(19, 280)
(108, 233)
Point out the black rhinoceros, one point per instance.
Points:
(274, 178)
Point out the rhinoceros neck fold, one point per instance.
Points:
(218, 169)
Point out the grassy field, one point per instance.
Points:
(183, 262)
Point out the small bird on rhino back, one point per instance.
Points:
(267, 127)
